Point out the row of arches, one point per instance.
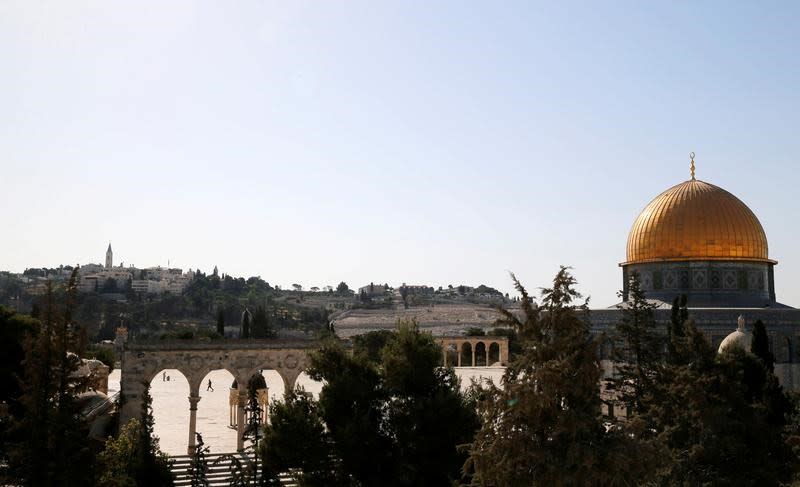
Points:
(468, 355)
(216, 407)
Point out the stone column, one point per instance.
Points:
(460, 351)
(444, 356)
(473, 356)
(240, 419)
(193, 400)
(487, 356)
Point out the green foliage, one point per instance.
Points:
(198, 468)
(152, 466)
(117, 460)
(638, 351)
(474, 331)
(760, 345)
(297, 416)
(675, 330)
(342, 288)
(103, 354)
(514, 345)
(260, 327)
(50, 445)
(15, 330)
(392, 421)
(245, 327)
(221, 322)
(371, 344)
(543, 427)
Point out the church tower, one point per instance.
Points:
(109, 257)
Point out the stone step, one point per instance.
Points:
(217, 475)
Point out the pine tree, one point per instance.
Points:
(544, 427)
(638, 352)
(53, 448)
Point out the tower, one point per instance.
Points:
(109, 257)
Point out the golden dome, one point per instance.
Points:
(694, 221)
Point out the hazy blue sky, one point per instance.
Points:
(419, 142)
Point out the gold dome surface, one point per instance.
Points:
(695, 220)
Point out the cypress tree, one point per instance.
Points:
(760, 345)
(676, 329)
(245, 328)
(152, 465)
(52, 446)
(221, 322)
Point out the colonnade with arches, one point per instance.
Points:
(474, 351)
(243, 359)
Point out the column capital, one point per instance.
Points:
(193, 400)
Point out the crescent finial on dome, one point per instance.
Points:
(691, 156)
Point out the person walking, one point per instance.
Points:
(163, 376)
(209, 388)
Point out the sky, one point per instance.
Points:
(415, 142)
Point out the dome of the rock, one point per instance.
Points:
(698, 240)
(696, 221)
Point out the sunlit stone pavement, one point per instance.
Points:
(171, 404)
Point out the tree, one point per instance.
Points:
(15, 330)
(638, 351)
(260, 326)
(298, 416)
(395, 421)
(342, 288)
(543, 427)
(297, 287)
(152, 466)
(675, 332)
(118, 457)
(221, 322)
(404, 295)
(253, 429)
(760, 345)
(51, 446)
(245, 326)
(198, 468)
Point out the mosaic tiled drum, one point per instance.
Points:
(700, 240)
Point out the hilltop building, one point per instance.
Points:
(697, 239)
(153, 280)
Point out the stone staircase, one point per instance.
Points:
(218, 471)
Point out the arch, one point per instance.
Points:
(494, 353)
(451, 354)
(466, 355)
(275, 383)
(309, 385)
(170, 411)
(214, 408)
(480, 355)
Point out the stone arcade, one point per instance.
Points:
(141, 362)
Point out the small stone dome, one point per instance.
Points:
(737, 339)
